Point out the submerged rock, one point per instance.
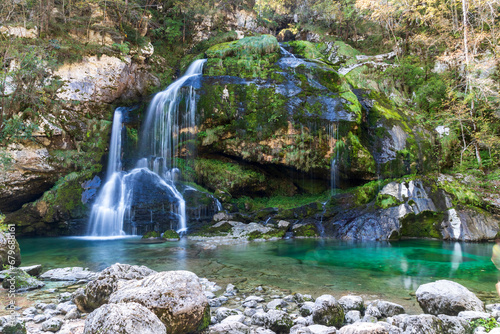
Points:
(447, 297)
(176, 297)
(123, 318)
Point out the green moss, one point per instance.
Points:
(268, 235)
(308, 230)
(170, 234)
(205, 320)
(226, 176)
(257, 45)
(281, 202)
(211, 230)
(151, 234)
(359, 159)
(387, 201)
(423, 225)
(367, 192)
(461, 193)
(307, 49)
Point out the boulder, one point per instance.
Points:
(224, 312)
(123, 318)
(474, 315)
(454, 325)
(327, 311)
(388, 309)
(351, 302)
(98, 291)
(12, 325)
(447, 297)
(364, 328)
(69, 274)
(352, 316)
(423, 323)
(9, 243)
(35, 270)
(176, 297)
(18, 280)
(278, 321)
(52, 325)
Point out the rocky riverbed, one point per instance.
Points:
(135, 299)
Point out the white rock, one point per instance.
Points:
(447, 297)
(351, 302)
(69, 274)
(124, 318)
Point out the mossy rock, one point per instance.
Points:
(256, 45)
(218, 229)
(268, 235)
(307, 49)
(387, 201)
(423, 225)
(151, 235)
(305, 230)
(170, 235)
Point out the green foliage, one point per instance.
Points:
(170, 234)
(411, 77)
(488, 324)
(151, 234)
(461, 193)
(123, 48)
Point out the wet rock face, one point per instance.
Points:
(125, 318)
(176, 297)
(447, 297)
(309, 110)
(416, 208)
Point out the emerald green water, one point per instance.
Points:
(375, 269)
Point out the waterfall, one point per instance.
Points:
(166, 127)
(333, 134)
(106, 217)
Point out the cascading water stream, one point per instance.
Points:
(106, 218)
(166, 127)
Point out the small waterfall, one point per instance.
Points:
(333, 135)
(106, 217)
(166, 128)
(285, 53)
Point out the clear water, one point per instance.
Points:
(376, 270)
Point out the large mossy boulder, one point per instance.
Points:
(176, 297)
(298, 115)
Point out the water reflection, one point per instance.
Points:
(310, 266)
